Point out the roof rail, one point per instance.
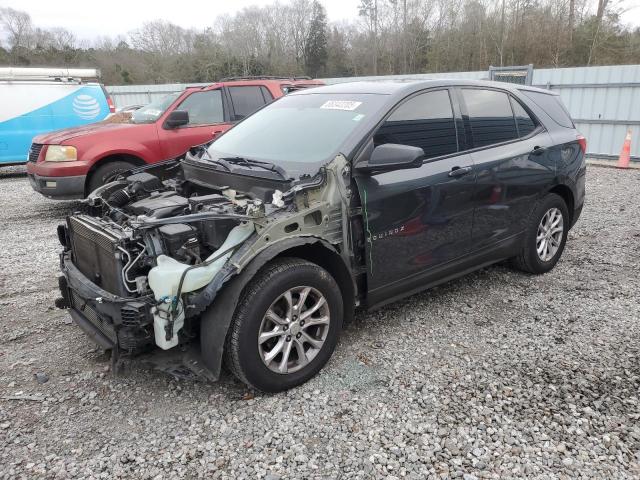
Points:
(199, 85)
(265, 77)
(51, 74)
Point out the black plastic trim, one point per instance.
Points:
(91, 330)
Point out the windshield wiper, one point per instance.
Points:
(255, 163)
(219, 161)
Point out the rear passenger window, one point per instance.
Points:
(246, 100)
(524, 122)
(424, 121)
(553, 106)
(490, 117)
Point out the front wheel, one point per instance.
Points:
(107, 173)
(545, 236)
(286, 325)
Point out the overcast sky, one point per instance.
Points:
(89, 19)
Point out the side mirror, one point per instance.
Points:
(177, 118)
(391, 156)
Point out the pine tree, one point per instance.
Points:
(316, 45)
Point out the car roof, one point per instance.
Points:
(402, 88)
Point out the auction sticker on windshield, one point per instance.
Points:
(340, 105)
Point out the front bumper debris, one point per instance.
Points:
(109, 320)
(124, 325)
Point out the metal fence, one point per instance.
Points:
(603, 101)
(124, 95)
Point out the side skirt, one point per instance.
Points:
(503, 250)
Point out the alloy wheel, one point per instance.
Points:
(294, 329)
(549, 235)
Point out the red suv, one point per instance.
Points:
(71, 163)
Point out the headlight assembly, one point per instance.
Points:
(61, 153)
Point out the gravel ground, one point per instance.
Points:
(496, 375)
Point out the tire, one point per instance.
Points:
(529, 260)
(244, 354)
(105, 173)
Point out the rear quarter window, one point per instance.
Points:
(553, 107)
(490, 116)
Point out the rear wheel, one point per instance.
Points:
(107, 173)
(285, 327)
(545, 236)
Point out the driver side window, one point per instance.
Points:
(424, 121)
(205, 108)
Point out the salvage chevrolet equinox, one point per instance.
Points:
(254, 251)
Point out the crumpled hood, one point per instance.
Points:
(64, 135)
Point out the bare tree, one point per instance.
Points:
(62, 39)
(602, 7)
(17, 27)
(369, 10)
(390, 36)
(162, 37)
(572, 18)
(299, 22)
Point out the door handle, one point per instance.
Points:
(459, 171)
(538, 150)
(216, 132)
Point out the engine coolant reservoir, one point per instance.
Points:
(165, 277)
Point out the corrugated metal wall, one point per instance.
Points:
(603, 101)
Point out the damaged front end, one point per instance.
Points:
(155, 248)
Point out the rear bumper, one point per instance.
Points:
(59, 188)
(109, 320)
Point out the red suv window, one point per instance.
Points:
(205, 108)
(247, 100)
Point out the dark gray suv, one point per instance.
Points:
(256, 249)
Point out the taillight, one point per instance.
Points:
(112, 107)
(582, 142)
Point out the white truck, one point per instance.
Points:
(41, 100)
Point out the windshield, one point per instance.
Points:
(298, 132)
(150, 113)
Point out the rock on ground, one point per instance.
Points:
(495, 375)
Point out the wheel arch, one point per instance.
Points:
(567, 195)
(332, 262)
(216, 319)
(112, 157)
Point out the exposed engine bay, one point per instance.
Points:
(155, 246)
